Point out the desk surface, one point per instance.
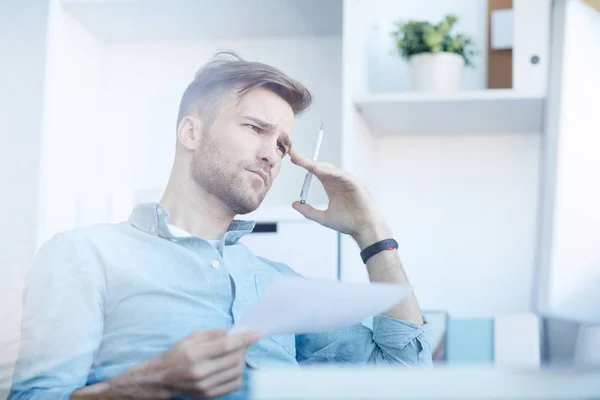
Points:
(342, 382)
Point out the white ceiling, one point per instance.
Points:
(119, 21)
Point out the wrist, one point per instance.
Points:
(146, 380)
(372, 234)
(141, 382)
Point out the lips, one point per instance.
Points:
(262, 174)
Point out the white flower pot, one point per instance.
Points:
(436, 72)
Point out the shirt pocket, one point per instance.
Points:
(285, 341)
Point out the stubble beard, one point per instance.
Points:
(215, 174)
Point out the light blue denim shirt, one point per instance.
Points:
(101, 299)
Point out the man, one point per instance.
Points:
(141, 309)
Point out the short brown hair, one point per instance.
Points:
(228, 71)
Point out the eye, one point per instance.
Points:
(253, 127)
(281, 148)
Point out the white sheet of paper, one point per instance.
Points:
(293, 305)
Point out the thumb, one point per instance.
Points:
(309, 212)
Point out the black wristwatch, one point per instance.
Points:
(370, 251)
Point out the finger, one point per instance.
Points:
(249, 336)
(206, 336)
(321, 170)
(326, 170)
(243, 339)
(227, 387)
(206, 368)
(309, 211)
(301, 161)
(221, 378)
(230, 343)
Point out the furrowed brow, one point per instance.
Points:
(285, 138)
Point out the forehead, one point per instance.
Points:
(267, 106)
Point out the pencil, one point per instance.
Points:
(308, 177)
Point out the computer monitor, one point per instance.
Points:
(569, 251)
(570, 246)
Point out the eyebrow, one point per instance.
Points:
(285, 138)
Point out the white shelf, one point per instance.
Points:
(118, 21)
(482, 111)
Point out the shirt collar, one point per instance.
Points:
(152, 218)
(178, 232)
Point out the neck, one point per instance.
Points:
(193, 209)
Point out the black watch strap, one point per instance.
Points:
(370, 251)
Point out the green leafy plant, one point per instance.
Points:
(415, 37)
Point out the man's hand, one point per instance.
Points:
(204, 364)
(351, 208)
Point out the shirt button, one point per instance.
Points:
(153, 228)
(215, 264)
(174, 240)
(159, 211)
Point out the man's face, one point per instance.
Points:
(241, 152)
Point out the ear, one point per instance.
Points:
(189, 132)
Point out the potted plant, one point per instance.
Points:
(436, 57)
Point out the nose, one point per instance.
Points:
(269, 153)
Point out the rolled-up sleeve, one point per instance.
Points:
(391, 341)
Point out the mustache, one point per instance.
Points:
(264, 167)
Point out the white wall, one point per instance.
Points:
(463, 207)
(22, 55)
(73, 143)
(145, 83)
(464, 210)
(373, 65)
(112, 108)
